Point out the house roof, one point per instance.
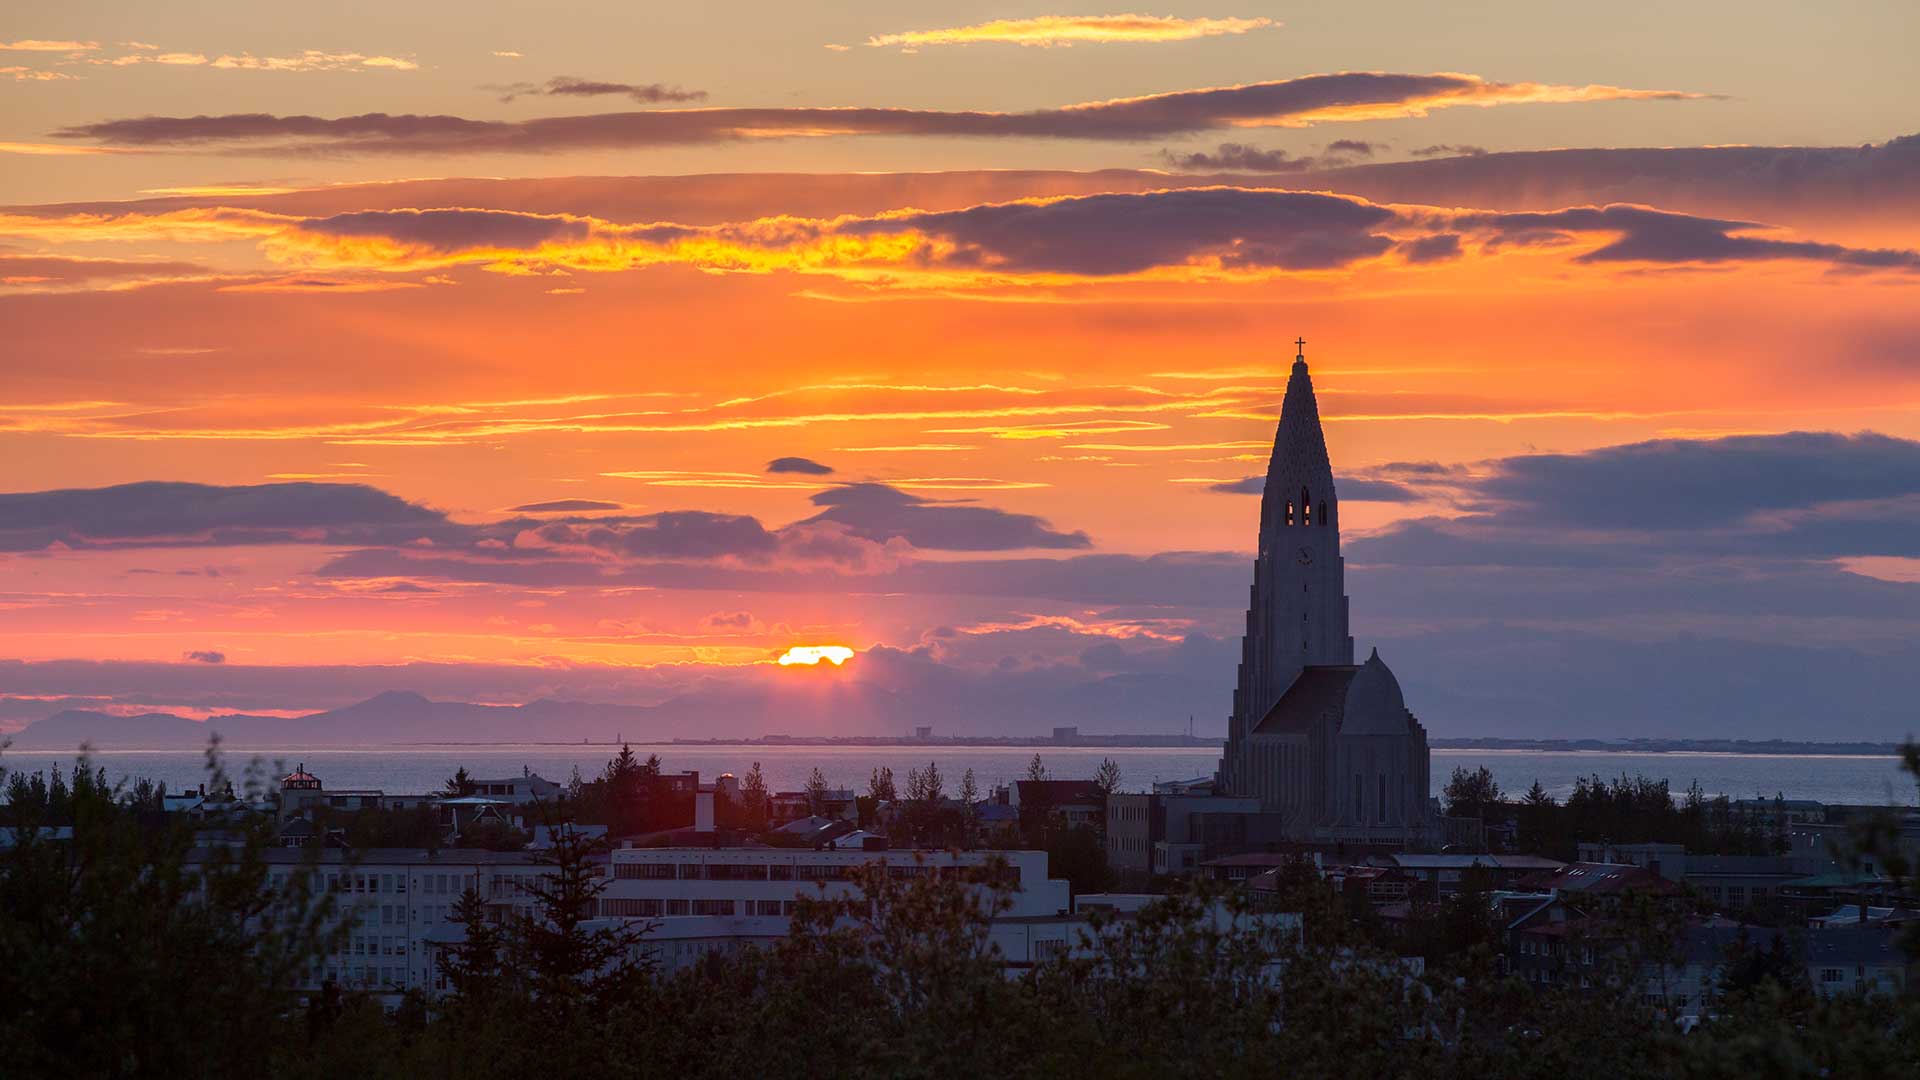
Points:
(1316, 691)
(1600, 878)
(1059, 792)
(1872, 945)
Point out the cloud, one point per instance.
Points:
(1439, 247)
(679, 534)
(1239, 157)
(559, 506)
(804, 466)
(1447, 150)
(309, 60)
(1687, 484)
(567, 86)
(507, 54)
(1183, 234)
(26, 74)
(165, 514)
(200, 656)
(1355, 147)
(35, 45)
(1644, 234)
(44, 271)
(1350, 489)
(1345, 96)
(881, 513)
(1048, 31)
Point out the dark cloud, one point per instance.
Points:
(1643, 234)
(1120, 234)
(1446, 150)
(1770, 183)
(880, 513)
(1355, 147)
(567, 86)
(1681, 484)
(451, 231)
(1148, 116)
(677, 534)
(162, 514)
(1353, 489)
(1440, 247)
(804, 466)
(1248, 485)
(1239, 157)
(207, 656)
(560, 506)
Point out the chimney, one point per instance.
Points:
(703, 810)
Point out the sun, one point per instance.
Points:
(811, 655)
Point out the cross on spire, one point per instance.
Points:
(1301, 344)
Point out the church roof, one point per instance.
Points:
(1374, 704)
(1316, 691)
(1299, 445)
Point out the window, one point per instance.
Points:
(676, 907)
(632, 908)
(1359, 798)
(1831, 975)
(1383, 798)
(1049, 948)
(713, 907)
(643, 871)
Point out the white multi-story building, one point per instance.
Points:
(663, 883)
(397, 900)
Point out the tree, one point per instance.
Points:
(925, 788)
(969, 809)
(1036, 770)
(1472, 794)
(459, 785)
(753, 798)
(1107, 777)
(880, 785)
(473, 967)
(816, 791)
(570, 967)
(125, 950)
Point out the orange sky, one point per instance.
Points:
(998, 367)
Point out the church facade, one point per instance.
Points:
(1326, 744)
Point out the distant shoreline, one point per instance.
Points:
(1752, 748)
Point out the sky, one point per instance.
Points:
(608, 353)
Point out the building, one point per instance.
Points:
(397, 902)
(528, 787)
(666, 883)
(1436, 877)
(1070, 803)
(1329, 744)
(1174, 834)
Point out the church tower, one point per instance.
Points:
(1297, 609)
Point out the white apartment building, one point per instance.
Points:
(397, 900)
(667, 883)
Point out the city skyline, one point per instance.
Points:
(508, 359)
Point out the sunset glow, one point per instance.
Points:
(811, 655)
(512, 365)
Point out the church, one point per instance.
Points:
(1326, 744)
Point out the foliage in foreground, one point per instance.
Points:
(114, 962)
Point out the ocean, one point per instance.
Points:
(418, 769)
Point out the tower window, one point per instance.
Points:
(1323, 513)
(1306, 508)
(1289, 511)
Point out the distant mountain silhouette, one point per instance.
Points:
(399, 716)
